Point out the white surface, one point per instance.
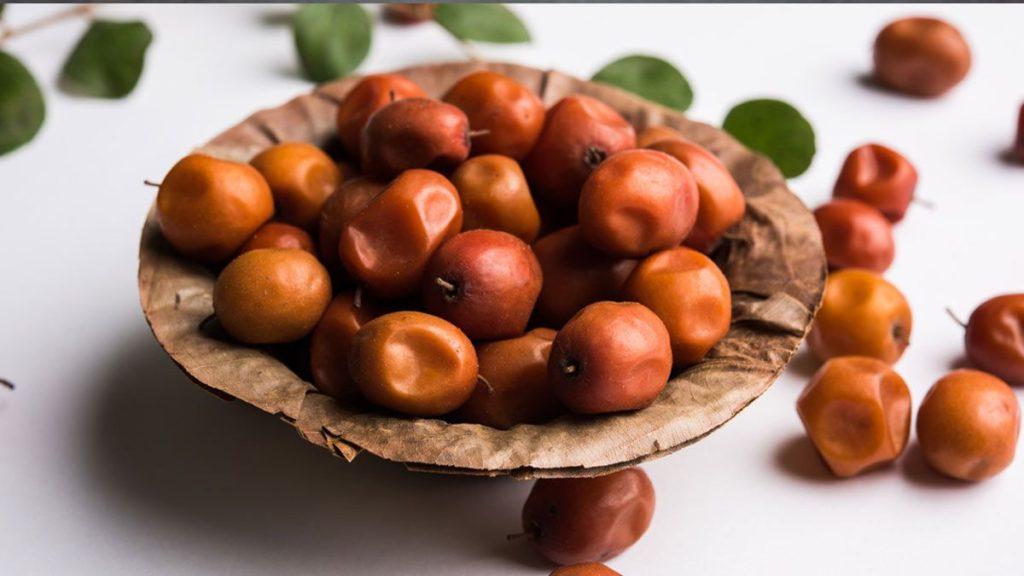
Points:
(113, 463)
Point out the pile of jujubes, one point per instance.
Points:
(476, 258)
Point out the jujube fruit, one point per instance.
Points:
(483, 281)
(413, 363)
(271, 296)
(861, 315)
(414, 133)
(856, 411)
(654, 134)
(878, 176)
(637, 202)
(968, 425)
(575, 274)
(208, 208)
(689, 294)
(495, 195)
(587, 569)
(280, 235)
(411, 13)
(513, 386)
(855, 235)
(510, 113)
(576, 520)
(579, 133)
(610, 357)
(387, 245)
(721, 204)
(301, 178)
(331, 340)
(371, 94)
(351, 197)
(921, 56)
(994, 338)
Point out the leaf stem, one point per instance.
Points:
(7, 32)
(470, 51)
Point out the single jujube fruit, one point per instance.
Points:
(856, 411)
(413, 363)
(968, 425)
(208, 208)
(371, 94)
(507, 114)
(993, 337)
(610, 357)
(414, 133)
(280, 235)
(921, 56)
(855, 235)
(496, 196)
(879, 176)
(513, 386)
(575, 274)
(301, 178)
(329, 345)
(387, 245)
(271, 296)
(483, 281)
(579, 133)
(637, 202)
(576, 520)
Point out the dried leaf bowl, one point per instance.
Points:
(773, 260)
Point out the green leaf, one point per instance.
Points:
(2, 8)
(650, 77)
(107, 61)
(22, 109)
(775, 129)
(332, 39)
(492, 23)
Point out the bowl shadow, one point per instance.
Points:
(166, 457)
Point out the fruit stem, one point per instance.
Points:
(570, 368)
(470, 51)
(450, 291)
(516, 536)
(357, 298)
(7, 32)
(926, 204)
(6, 383)
(152, 184)
(955, 318)
(594, 156)
(476, 133)
(485, 382)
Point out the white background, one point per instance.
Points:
(111, 462)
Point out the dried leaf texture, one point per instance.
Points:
(773, 260)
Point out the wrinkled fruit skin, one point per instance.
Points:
(414, 133)
(721, 204)
(968, 425)
(496, 196)
(208, 208)
(579, 133)
(511, 113)
(921, 56)
(855, 235)
(387, 245)
(689, 294)
(861, 315)
(485, 282)
(637, 202)
(994, 340)
(338, 211)
(413, 363)
(330, 343)
(271, 296)
(610, 357)
(406, 14)
(280, 235)
(575, 274)
(371, 94)
(513, 387)
(856, 411)
(301, 178)
(587, 569)
(577, 520)
(878, 176)
(652, 135)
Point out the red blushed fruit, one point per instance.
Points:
(879, 176)
(329, 344)
(579, 133)
(610, 357)
(485, 282)
(575, 520)
(280, 235)
(371, 94)
(995, 337)
(855, 235)
(414, 133)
